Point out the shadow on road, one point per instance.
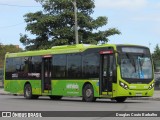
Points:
(77, 99)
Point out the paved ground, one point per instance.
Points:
(70, 106)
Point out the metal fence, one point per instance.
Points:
(1, 77)
(157, 80)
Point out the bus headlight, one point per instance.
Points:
(151, 86)
(125, 86)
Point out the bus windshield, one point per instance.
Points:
(135, 63)
(136, 66)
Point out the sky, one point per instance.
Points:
(137, 20)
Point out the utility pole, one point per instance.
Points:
(76, 25)
(149, 45)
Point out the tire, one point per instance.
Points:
(120, 99)
(53, 97)
(28, 92)
(35, 96)
(88, 93)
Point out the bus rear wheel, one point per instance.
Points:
(28, 92)
(88, 93)
(120, 99)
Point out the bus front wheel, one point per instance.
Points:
(120, 99)
(88, 93)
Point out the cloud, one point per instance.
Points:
(19, 2)
(12, 1)
(121, 4)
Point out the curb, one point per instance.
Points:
(146, 98)
(5, 94)
(2, 92)
(11, 94)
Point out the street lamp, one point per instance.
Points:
(75, 16)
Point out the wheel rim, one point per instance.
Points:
(88, 93)
(28, 91)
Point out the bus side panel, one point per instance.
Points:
(66, 87)
(36, 87)
(72, 87)
(115, 90)
(17, 86)
(95, 84)
(14, 86)
(7, 85)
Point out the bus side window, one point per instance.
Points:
(74, 65)
(90, 65)
(59, 66)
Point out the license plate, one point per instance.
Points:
(138, 94)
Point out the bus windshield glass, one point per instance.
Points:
(136, 64)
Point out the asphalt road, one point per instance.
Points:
(19, 103)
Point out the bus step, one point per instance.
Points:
(107, 93)
(104, 93)
(47, 91)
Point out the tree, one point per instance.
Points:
(156, 57)
(7, 48)
(55, 25)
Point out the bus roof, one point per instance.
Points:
(64, 49)
(59, 50)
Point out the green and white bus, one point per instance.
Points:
(88, 71)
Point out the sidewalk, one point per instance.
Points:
(156, 95)
(2, 92)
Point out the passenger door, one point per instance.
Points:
(106, 71)
(46, 73)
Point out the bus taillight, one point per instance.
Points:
(47, 56)
(106, 52)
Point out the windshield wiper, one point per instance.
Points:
(132, 61)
